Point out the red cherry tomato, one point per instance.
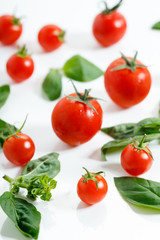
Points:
(20, 66)
(75, 122)
(51, 37)
(10, 29)
(19, 149)
(109, 26)
(92, 188)
(136, 160)
(127, 81)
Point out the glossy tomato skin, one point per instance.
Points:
(74, 122)
(19, 68)
(134, 161)
(88, 191)
(19, 150)
(127, 88)
(48, 37)
(109, 28)
(9, 31)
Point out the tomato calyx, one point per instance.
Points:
(91, 176)
(130, 64)
(84, 98)
(22, 52)
(108, 10)
(16, 21)
(61, 36)
(141, 146)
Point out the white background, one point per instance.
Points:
(65, 216)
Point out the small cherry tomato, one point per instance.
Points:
(92, 187)
(109, 26)
(136, 159)
(51, 37)
(76, 118)
(127, 81)
(20, 66)
(10, 29)
(19, 149)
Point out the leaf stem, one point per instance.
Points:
(8, 179)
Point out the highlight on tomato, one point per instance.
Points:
(127, 81)
(10, 29)
(136, 158)
(109, 26)
(51, 37)
(77, 118)
(92, 187)
(20, 65)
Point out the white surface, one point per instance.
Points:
(65, 216)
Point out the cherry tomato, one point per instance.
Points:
(10, 29)
(109, 26)
(19, 149)
(136, 160)
(51, 37)
(127, 81)
(20, 66)
(92, 187)
(75, 122)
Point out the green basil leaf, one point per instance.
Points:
(52, 84)
(48, 164)
(80, 69)
(147, 125)
(139, 191)
(120, 131)
(156, 26)
(24, 215)
(117, 145)
(4, 93)
(5, 129)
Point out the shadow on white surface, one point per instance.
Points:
(38, 88)
(61, 146)
(5, 79)
(91, 215)
(34, 48)
(6, 164)
(48, 220)
(82, 41)
(65, 201)
(10, 231)
(49, 142)
(111, 107)
(148, 214)
(115, 169)
(96, 155)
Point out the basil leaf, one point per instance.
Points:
(48, 164)
(156, 26)
(119, 144)
(120, 131)
(52, 84)
(4, 93)
(24, 215)
(147, 125)
(80, 69)
(126, 130)
(139, 191)
(5, 129)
